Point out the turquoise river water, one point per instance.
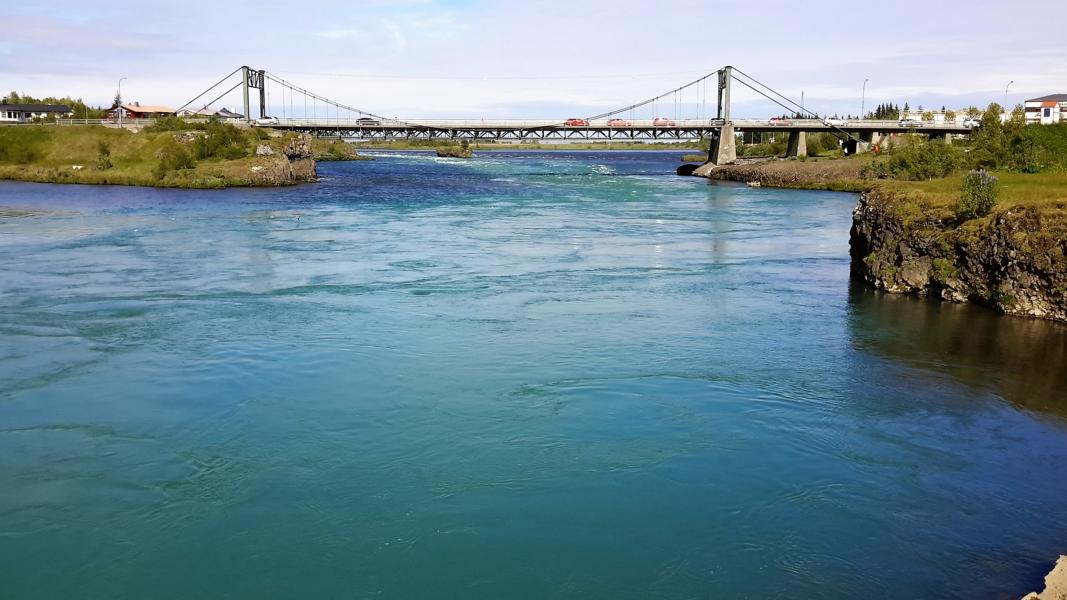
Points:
(528, 375)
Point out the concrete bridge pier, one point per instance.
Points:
(944, 137)
(798, 144)
(723, 150)
(871, 138)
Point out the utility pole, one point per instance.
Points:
(863, 101)
(1006, 97)
(120, 102)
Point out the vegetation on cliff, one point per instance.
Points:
(463, 150)
(335, 150)
(170, 153)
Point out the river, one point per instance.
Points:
(527, 375)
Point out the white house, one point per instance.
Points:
(1046, 110)
(24, 113)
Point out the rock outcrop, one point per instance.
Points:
(455, 152)
(1055, 583)
(1012, 261)
(293, 163)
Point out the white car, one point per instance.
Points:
(834, 122)
(267, 121)
(909, 122)
(972, 122)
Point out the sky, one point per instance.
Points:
(545, 59)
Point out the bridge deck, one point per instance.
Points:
(596, 130)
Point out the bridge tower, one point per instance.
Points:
(723, 148)
(251, 78)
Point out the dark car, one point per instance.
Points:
(576, 123)
(368, 122)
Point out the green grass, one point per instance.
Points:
(135, 157)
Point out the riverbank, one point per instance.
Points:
(172, 155)
(835, 174)
(906, 236)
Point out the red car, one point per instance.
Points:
(780, 121)
(618, 123)
(662, 122)
(576, 123)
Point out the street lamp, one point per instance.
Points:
(863, 100)
(119, 107)
(1006, 94)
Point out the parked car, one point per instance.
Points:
(618, 123)
(834, 122)
(368, 122)
(972, 122)
(267, 121)
(662, 122)
(576, 123)
(910, 122)
(780, 121)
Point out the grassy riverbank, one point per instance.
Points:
(170, 154)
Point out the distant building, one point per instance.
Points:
(139, 111)
(1046, 110)
(223, 114)
(24, 113)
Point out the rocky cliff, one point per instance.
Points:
(1012, 261)
(292, 163)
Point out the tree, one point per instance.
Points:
(1018, 115)
(928, 116)
(118, 100)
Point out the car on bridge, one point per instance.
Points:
(618, 123)
(834, 122)
(576, 123)
(267, 121)
(663, 122)
(368, 122)
(972, 122)
(780, 121)
(910, 122)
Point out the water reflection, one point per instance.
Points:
(1021, 360)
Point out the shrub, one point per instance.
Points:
(980, 191)
(103, 155)
(173, 157)
(917, 160)
(221, 140)
(170, 124)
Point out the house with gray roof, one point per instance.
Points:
(25, 113)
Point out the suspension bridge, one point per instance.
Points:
(296, 108)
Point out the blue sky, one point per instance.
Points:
(480, 58)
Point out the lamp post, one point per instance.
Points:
(863, 100)
(1006, 95)
(119, 107)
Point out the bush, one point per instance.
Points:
(173, 157)
(980, 191)
(221, 140)
(103, 155)
(163, 124)
(918, 160)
